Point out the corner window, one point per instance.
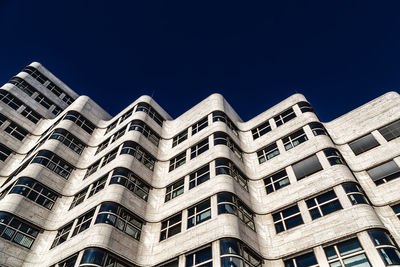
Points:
(386, 247)
(221, 138)
(199, 213)
(323, 204)
(306, 167)
(287, 218)
(230, 204)
(363, 144)
(317, 128)
(384, 173)
(131, 181)
(225, 166)
(355, 193)
(138, 153)
(305, 107)
(333, 156)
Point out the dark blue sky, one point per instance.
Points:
(339, 54)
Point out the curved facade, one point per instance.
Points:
(80, 188)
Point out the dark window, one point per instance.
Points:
(109, 157)
(386, 247)
(363, 144)
(171, 226)
(16, 131)
(53, 163)
(103, 258)
(35, 191)
(16, 230)
(384, 172)
(323, 204)
(139, 153)
(15, 104)
(224, 139)
(103, 145)
(201, 257)
(261, 130)
(220, 116)
(287, 218)
(111, 126)
(347, 253)
(131, 181)
(276, 181)
(391, 131)
(396, 210)
(69, 262)
(62, 235)
(151, 112)
(4, 152)
(236, 253)
(126, 115)
(145, 130)
(199, 213)
(98, 186)
(177, 161)
(305, 107)
(230, 204)
(333, 156)
(179, 138)
(225, 166)
(200, 125)
(355, 193)
(294, 139)
(199, 148)
(80, 120)
(267, 153)
(79, 197)
(170, 263)
(199, 176)
(92, 169)
(317, 128)
(68, 139)
(306, 167)
(119, 217)
(118, 134)
(305, 260)
(175, 189)
(284, 117)
(83, 222)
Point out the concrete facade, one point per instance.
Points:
(204, 189)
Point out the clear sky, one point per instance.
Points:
(339, 54)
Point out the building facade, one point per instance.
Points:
(82, 188)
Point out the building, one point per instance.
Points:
(80, 188)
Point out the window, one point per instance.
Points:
(317, 128)
(175, 189)
(347, 253)
(119, 217)
(103, 145)
(98, 185)
(126, 115)
(145, 130)
(49, 84)
(131, 181)
(35, 191)
(15, 104)
(92, 169)
(177, 161)
(220, 116)
(69, 262)
(179, 138)
(171, 226)
(199, 213)
(396, 210)
(230, 204)
(306, 167)
(109, 157)
(83, 222)
(16, 230)
(200, 176)
(333, 156)
(68, 139)
(236, 253)
(261, 130)
(200, 125)
(363, 144)
(151, 112)
(355, 193)
(390, 131)
(79, 197)
(80, 120)
(101, 257)
(16, 131)
(305, 260)
(323, 204)
(386, 247)
(199, 148)
(201, 257)
(139, 153)
(226, 167)
(111, 126)
(276, 181)
(4, 152)
(305, 107)
(284, 117)
(384, 173)
(294, 139)
(267, 153)
(287, 218)
(170, 263)
(53, 163)
(62, 235)
(224, 139)
(118, 134)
